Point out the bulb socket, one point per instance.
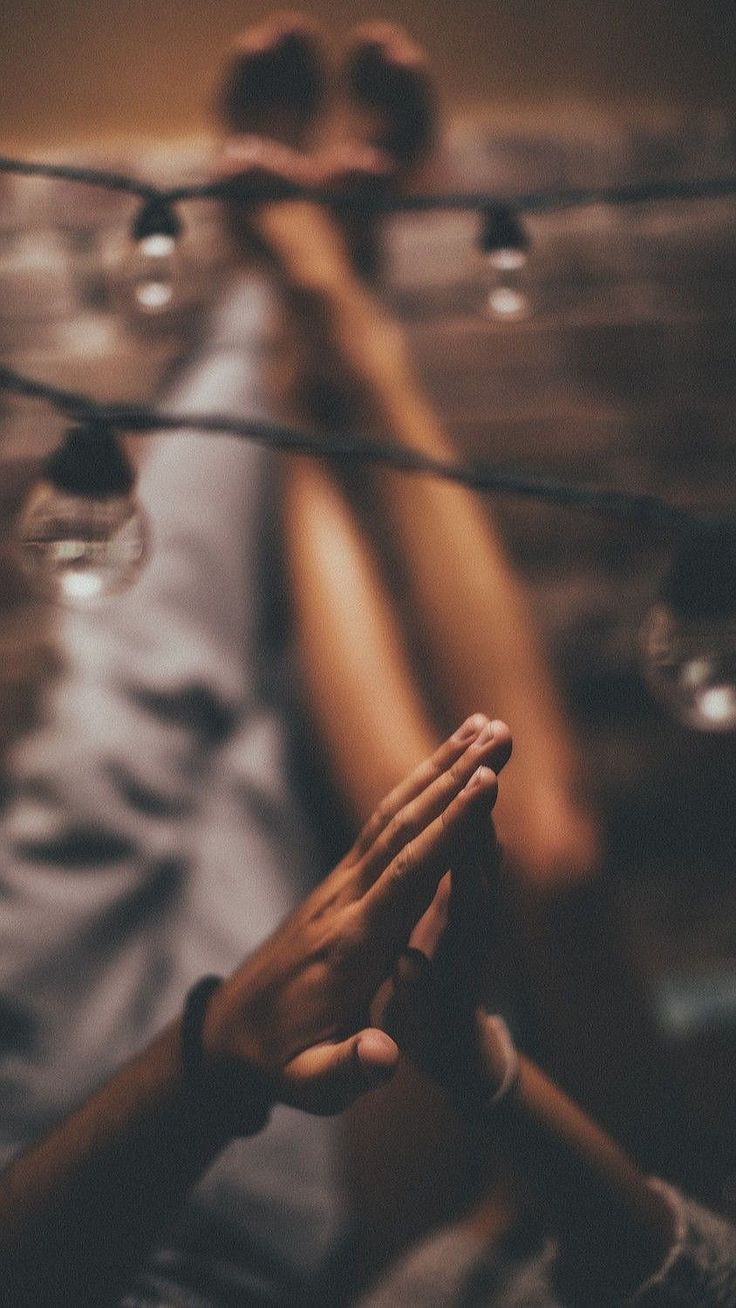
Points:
(156, 218)
(91, 464)
(502, 230)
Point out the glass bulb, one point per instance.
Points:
(689, 635)
(153, 270)
(691, 667)
(81, 549)
(506, 295)
(153, 273)
(503, 245)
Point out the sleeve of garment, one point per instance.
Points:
(701, 1267)
(96, 842)
(698, 1272)
(454, 1268)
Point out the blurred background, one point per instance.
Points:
(614, 364)
(74, 68)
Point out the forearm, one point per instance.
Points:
(456, 565)
(355, 667)
(452, 565)
(79, 1209)
(612, 1228)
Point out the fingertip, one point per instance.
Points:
(503, 740)
(483, 781)
(377, 1054)
(470, 729)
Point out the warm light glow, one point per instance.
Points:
(81, 549)
(507, 260)
(690, 664)
(157, 246)
(152, 296)
(80, 587)
(505, 302)
(718, 705)
(504, 279)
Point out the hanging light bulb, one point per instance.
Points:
(154, 263)
(81, 532)
(504, 247)
(689, 635)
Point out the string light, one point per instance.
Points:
(152, 270)
(689, 634)
(504, 247)
(81, 533)
(84, 536)
(648, 510)
(245, 187)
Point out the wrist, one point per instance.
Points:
(221, 1095)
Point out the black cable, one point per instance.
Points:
(246, 189)
(648, 510)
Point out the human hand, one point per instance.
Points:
(296, 1011)
(430, 1006)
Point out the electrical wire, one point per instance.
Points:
(244, 187)
(644, 509)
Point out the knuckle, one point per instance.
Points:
(381, 816)
(403, 865)
(364, 840)
(380, 813)
(346, 942)
(406, 823)
(399, 830)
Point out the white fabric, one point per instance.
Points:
(153, 833)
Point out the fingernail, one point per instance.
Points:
(486, 735)
(479, 776)
(471, 728)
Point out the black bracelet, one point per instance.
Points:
(222, 1098)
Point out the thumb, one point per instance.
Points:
(327, 1078)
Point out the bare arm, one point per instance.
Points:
(79, 1207)
(354, 662)
(470, 610)
(474, 621)
(613, 1229)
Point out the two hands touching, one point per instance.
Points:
(296, 1011)
(79, 1208)
(390, 936)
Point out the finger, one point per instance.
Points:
(328, 1077)
(432, 925)
(489, 748)
(476, 870)
(422, 776)
(397, 900)
(475, 894)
